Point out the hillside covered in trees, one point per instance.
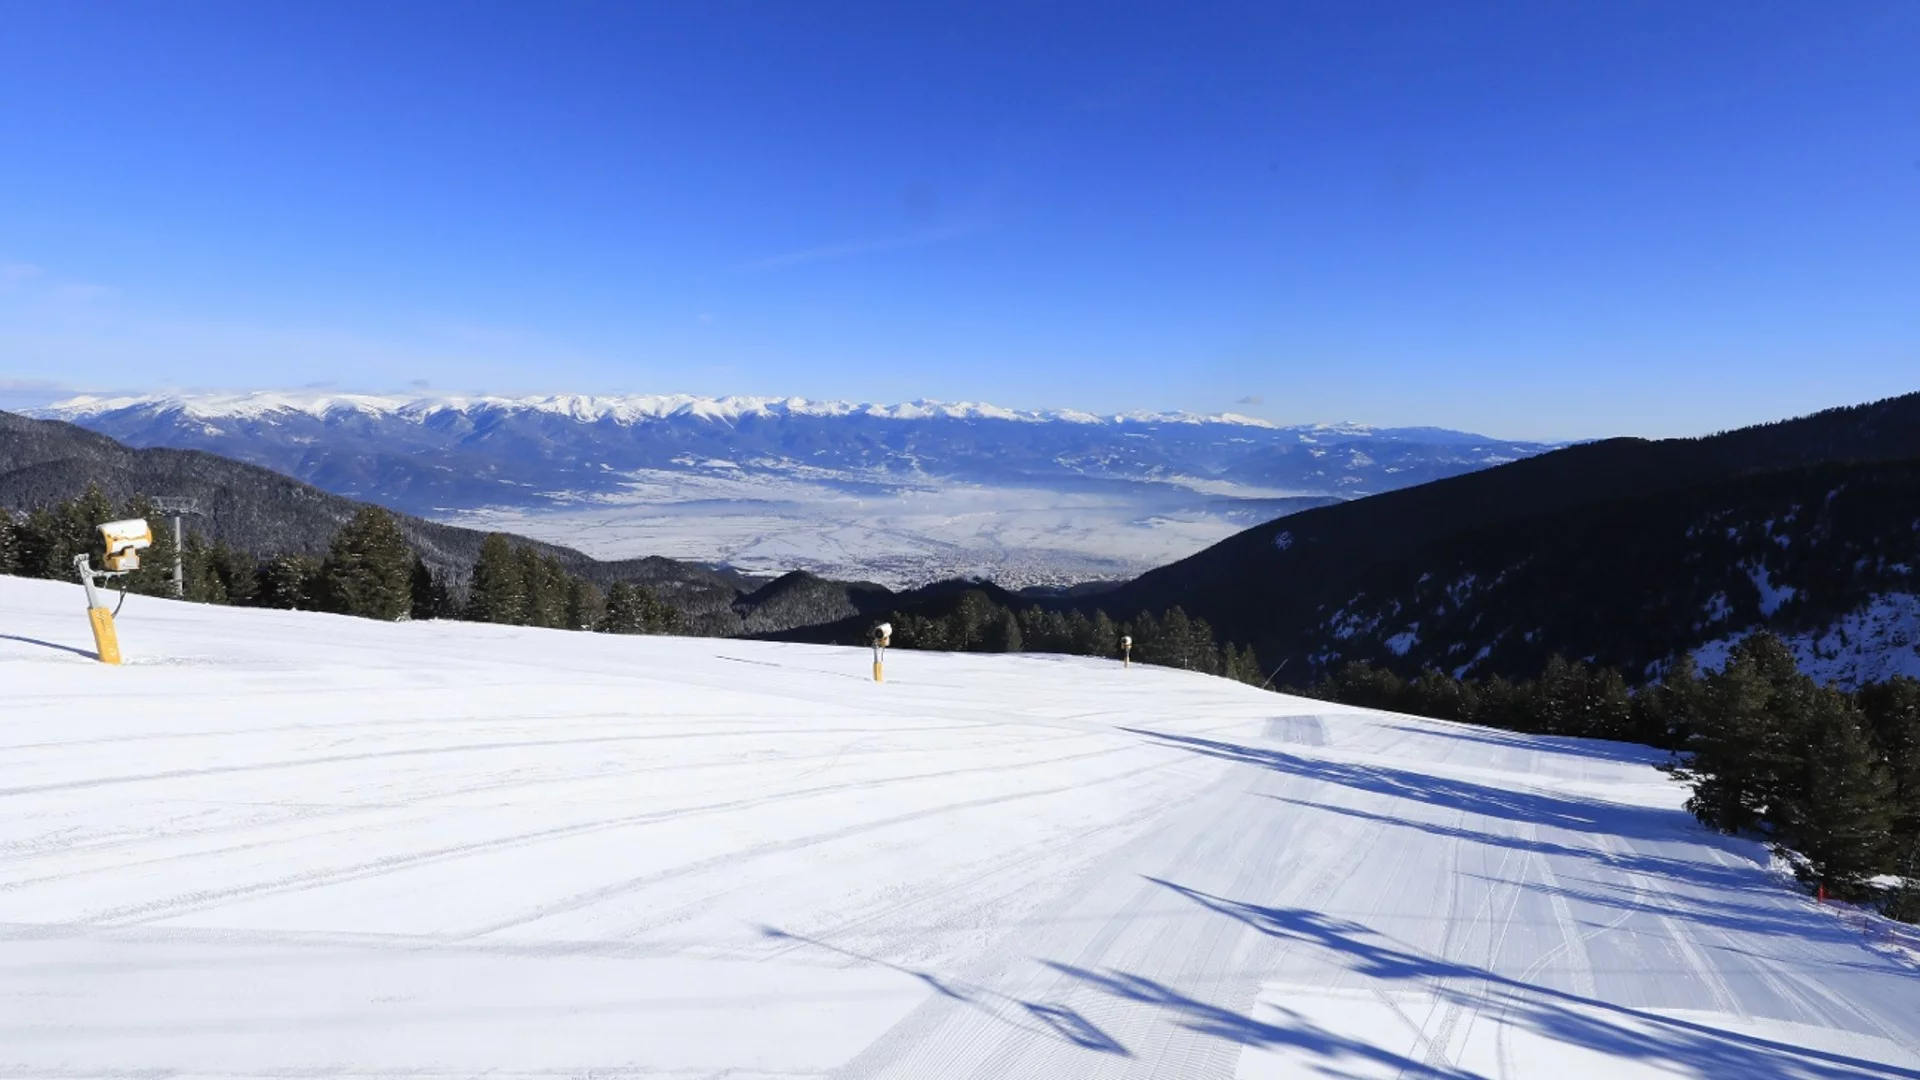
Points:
(1627, 552)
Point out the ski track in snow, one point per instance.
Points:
(283, 844)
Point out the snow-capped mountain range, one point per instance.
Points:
(582, 469)
(623, 408)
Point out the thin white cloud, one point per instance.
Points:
(33, 283)
(849, 248)
(82, 291)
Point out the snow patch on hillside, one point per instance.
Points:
(1872, 644)
(1772, 597)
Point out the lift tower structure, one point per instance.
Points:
(178, 507)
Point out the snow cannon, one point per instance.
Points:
(124, 541)
(882, 637)
(1126, 650)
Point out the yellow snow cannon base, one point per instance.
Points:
(105, 641)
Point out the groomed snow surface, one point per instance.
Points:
(288, 844)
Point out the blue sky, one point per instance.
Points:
(1532, 219)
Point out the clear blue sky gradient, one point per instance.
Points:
(1551, 219)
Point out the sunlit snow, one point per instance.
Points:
(290, 844)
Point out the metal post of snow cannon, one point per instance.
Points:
(882, 637)
(1126, 651)
(124, 540)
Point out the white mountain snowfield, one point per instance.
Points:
(282, 843)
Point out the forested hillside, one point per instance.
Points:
(1625, 552)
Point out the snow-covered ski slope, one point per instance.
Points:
(287, 844)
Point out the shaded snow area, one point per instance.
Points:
(283, 844)
(1878, 641)
(1771, 596)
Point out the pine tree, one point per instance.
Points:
(1561, 698)
(427, 593)
(1609, 710)
(973, 620)
(201, 581)
(533, 581)
(1004, 634)
(235, 571)
(499, 593)
(1795, 714)
(1098, 635)
(1665, 714)
(1723, 762)
(1177, 644)
(1505, 705)
(1435, 693)
(369, 567)
(9, 543)
(289, 581)
(1148, 644)
(51, 536)
(1903, 902)
(1837, 819)
(1360, 683)
(1892, 709)
(1241, 664)
(622, 613)
(634, 609)
(558, 588)
(586, 605)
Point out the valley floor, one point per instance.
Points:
(900, 537)
(280, 843)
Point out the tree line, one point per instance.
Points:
(975, 622)
(1830, 779)
(369, 570)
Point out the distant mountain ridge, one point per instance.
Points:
(435, 454)
(632, 408)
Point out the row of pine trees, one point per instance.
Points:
(370, 570)
(1830, 778)
(976, 623)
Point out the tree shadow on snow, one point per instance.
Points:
(1700, 910)
(1298, 1034)
(1556, 811)
(1740, 880)
(1571, 746)
(1556, 1015)
(1050, 1019)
